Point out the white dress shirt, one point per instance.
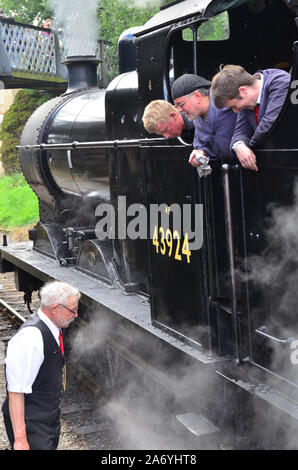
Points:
(260, 77)
(25, 354)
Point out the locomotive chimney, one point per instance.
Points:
(82, 72)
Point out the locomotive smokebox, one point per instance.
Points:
(82, 72)
(67, 181)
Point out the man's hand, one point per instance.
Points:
(246, 157)
(193, 157)
(21, 444)
(199, 160)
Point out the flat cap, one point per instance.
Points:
(188, 83)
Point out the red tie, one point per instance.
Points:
(257, 113)
(61, 343)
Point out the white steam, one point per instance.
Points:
(276, 270)
(142, 411)
(79, 24)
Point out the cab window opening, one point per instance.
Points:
(215, 29)
(184, 47)
(241, 36)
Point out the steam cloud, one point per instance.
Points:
(142, 411)
(79, 24)
(276, 270)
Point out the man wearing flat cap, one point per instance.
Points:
(213, 127)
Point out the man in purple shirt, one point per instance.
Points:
(257, 99)
(213, 127)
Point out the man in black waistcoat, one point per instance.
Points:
(34, 368)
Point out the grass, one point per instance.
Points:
(18, 203)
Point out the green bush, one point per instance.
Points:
(25, 102)
(19, 204)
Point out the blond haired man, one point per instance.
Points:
(161, 117)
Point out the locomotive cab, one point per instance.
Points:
(256, 35)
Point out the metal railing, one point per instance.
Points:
(29, 48)
(126, 143)
(39, 51)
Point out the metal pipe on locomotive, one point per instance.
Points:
(216, 345)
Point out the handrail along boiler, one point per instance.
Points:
(216, 341)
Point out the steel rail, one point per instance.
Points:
(12, 311)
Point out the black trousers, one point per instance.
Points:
(40, 436)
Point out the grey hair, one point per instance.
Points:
(203, 91)
(56, 292)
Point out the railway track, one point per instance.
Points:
(84, 425)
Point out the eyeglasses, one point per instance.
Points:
(74, 311)
(180, 105)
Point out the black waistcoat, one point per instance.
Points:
(43, 404)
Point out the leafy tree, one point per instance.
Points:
(25, 102)
(117, 16)
(217, 28)
(27, 11)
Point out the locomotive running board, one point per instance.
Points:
(131, 308)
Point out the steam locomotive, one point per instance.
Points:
(209, 328)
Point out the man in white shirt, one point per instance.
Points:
(34, 365)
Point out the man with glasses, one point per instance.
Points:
(35, 369)
(213, 127)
